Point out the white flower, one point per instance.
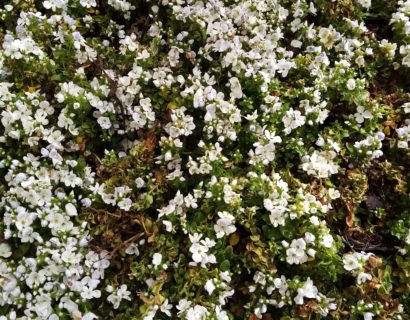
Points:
(198, 251)
(190, 201)
(70, 209)
(183, 305)
(334, 193)
(351, 262)
(70, 257)
(296, 43)
(292, 120)
(308, 290)
(117, 296)
(296, 253)
(309, 237)
(197, 313)
(236, 89)
(200, 248)
(5, 250)
(89, 293)
(104, 122)
(199, 98)
(132, 249)
(363, 277)
(86, 202)
(351, 84)
(221, 314)
(224, 225)
(125, 204)
(325, 35)
(268, 204)
(327, 241)
(259, 311)
(402, 144)
(209, 286)
(326, 304)
(368, 316)
(8, 283)
(166, 307)
(362, 114)
(139, 182)
(88, 3)
(320, 164)
(406, 107)
(168, 225)
(123, 292)
(320, 142)
(298, 244)
(89, 316)
(365, 3)
(295, 256)
(311, 252)
(156, 259)
(406, 60)
(54, 4)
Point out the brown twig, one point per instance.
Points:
(98, 63)
(134, 237)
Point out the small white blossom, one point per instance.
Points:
(156, 259)
(225, 224)
(351, 84)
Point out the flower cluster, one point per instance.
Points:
(204, 159)
(355, 262)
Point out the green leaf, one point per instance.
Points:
(225, 265)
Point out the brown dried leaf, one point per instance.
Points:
(228, 164)
(151, 238)
(307, 309)
(145, 299)
(160, 177)
(350, 216)
(81, 143)
(375, 261)
(391, 124)
(150, 142)
(373, 284)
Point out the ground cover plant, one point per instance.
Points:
(220, 159)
